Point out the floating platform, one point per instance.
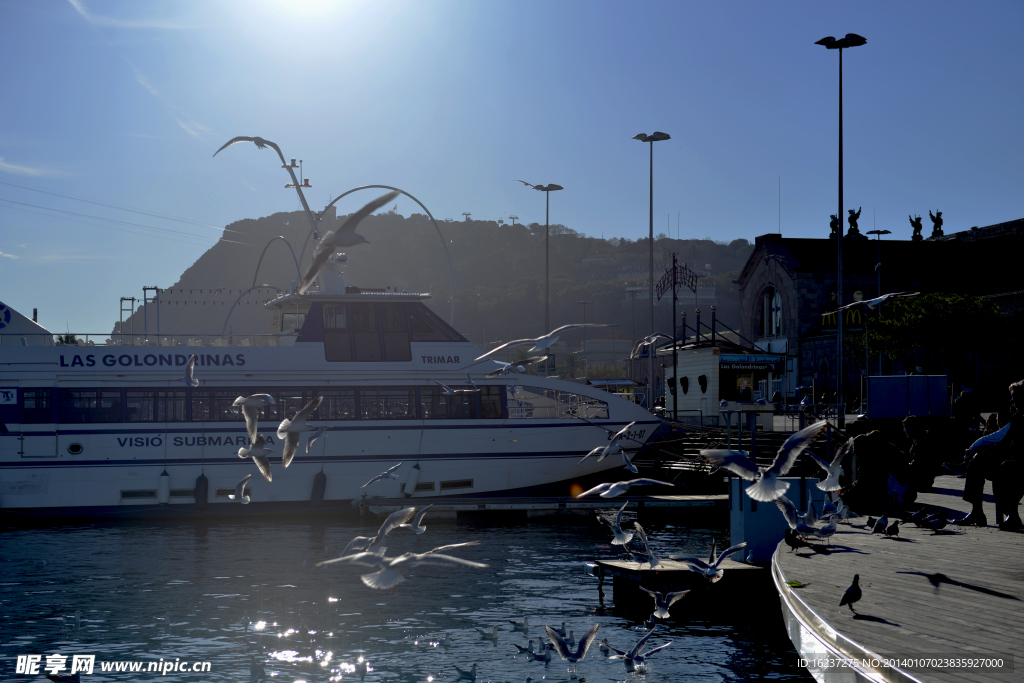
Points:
(973, 613)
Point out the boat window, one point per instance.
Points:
(426, 326)
(395, 325)
(155, 405)
(337, 338)
(37, 406)
(292, 321)
(215, 405)
(365, 331)
(435, 405)
(290, 400)
(338, 404)
(537, 402)
(90, 405)
(490, 402)
(391, 403)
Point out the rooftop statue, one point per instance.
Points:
(854, 215)
(916, 224)
(834, 224)
(936, 223)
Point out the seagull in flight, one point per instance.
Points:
(620, 537)
(313, 436)
(651, 559)
(611, 447)
(190, 368)
(509, 368)
(833, 469)
(662, 601)
(872, 304)
(344, 236)
(390, 571)
(801, 524)
(417, 521)
(541, 343)
(562, 647)
(251, 406)
(290, 430)
(634, 659)
(389, 473)
(710, 569)
(378, 544)
(260, 142)
(766, 486)
(238, 496)
(259, 453)
(617, 488)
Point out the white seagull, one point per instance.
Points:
(802, 524)
(417, 521)
(620, 537)
(634, 659)
(617, 488)
(344, 236)
(523, 626)
(766, 486)
(541, 343)
(386, 474)
(562, 648)
(165, 620)
(612, 446)
(238, 496)
(651, 559)
(260, 455)
(251, 407)
(710, 569)
(489, 635)
(313, 436)
(826, 532)
(662, 601)
(463, 675)
(833, 469)
(391, 570)
(628, 459)
(872, 304)
(260, 142)
(377, 544)
(190, 368)
(291, 430)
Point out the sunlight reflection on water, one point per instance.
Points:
(241, 588)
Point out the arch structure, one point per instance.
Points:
(451, 315)
(298, 273)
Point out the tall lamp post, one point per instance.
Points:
(878, 269)
(850, 40)
(656, 136)
(547, 190)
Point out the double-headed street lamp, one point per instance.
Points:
(547, 190)
(656, 136)
(850, 40)
(878, 269)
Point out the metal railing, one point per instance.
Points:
(93, 339)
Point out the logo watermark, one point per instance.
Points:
(36, 665)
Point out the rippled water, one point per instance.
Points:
(212, 577)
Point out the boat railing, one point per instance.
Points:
(176, 340)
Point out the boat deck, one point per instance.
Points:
(977, 611)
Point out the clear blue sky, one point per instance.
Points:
(124, 103)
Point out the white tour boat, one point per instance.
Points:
(112, 429)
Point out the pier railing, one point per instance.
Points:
(176, 340)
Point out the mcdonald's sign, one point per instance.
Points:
(853, 318)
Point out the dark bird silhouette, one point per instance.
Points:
(260, 142)
(881, 525)
(871, 522)
(893, 529)
(936, 522)
(794, 541)
(852, 594)
(918, 517)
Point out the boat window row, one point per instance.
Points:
(216, 404)
(368, 331)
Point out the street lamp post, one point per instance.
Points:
(547, 190)
(583, 349)
(656, 136)
(850, 40)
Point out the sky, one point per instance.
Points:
(110, 106)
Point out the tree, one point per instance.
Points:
(936, 330)
(66, 339)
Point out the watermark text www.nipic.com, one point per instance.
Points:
(37, 665)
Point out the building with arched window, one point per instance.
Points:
(788, 293)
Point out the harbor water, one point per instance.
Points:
(248, 589)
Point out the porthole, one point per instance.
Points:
(75, 448)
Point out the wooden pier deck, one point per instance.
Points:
(976, 612)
